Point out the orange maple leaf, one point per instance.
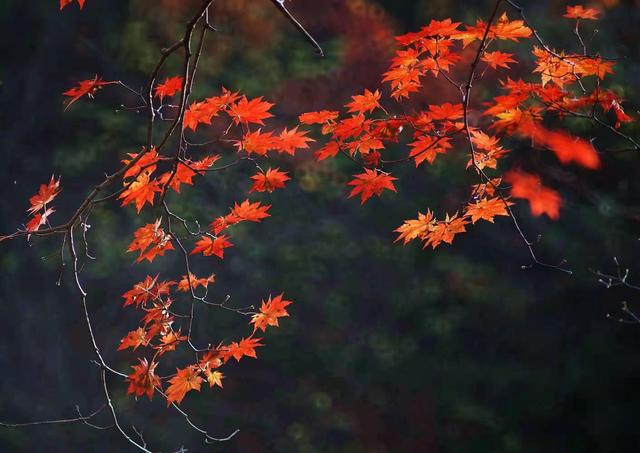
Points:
(566, 148)
(488, 188)
(416, 228)
(194, 282)
(169, 341)
(320, 117)
(199, 113)
(427, 147)
(365, 103)
(185, 171)
(134, 339)
(542, 200)
(580, 12)
(151, 241)
(246, 347)
(184, 381)
(270, 311)
(445, 230)
(245, 211)
(370, 183)
(146, 162)
(257, 142)
(143, 380)
(269, 180)
(498, 59)
(446, 111)
(146, 290)
(214, 378)
(250, 111)
(506, 29)
(212, 359)
(487, 209)
(212, 246)
(140, 191)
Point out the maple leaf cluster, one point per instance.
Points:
(561, 85)
(432, 232)
(41, 208)
(158, 334)
(141, 183)
(147, 177)
(368, 134)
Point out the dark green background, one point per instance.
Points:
(388, 348)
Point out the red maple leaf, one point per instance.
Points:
(331, 149)
(212, 246)
(542, 200)
(88, 87)
(248, 211)
(350, 127)
(185, 171)
(245, 211)
(291, 140)
(169, 87)
(257, 142)
(320, 117)
(566, 147)
(146, 162)
(365, 103)
(46, 194)
(269, 180)
(246, 347)
(38, 220)
(370, 183)
(169, 340)
(446, 111)
(498, 59)
(147, 290)
(250, 111)
(427, 147)
(140, 191)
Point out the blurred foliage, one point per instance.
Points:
(388, 348)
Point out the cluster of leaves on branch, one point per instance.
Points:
(158, 334)
(147, 177)
(563, 85)
(144, 183)
(41, 208)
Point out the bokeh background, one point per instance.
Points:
(389, 348)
